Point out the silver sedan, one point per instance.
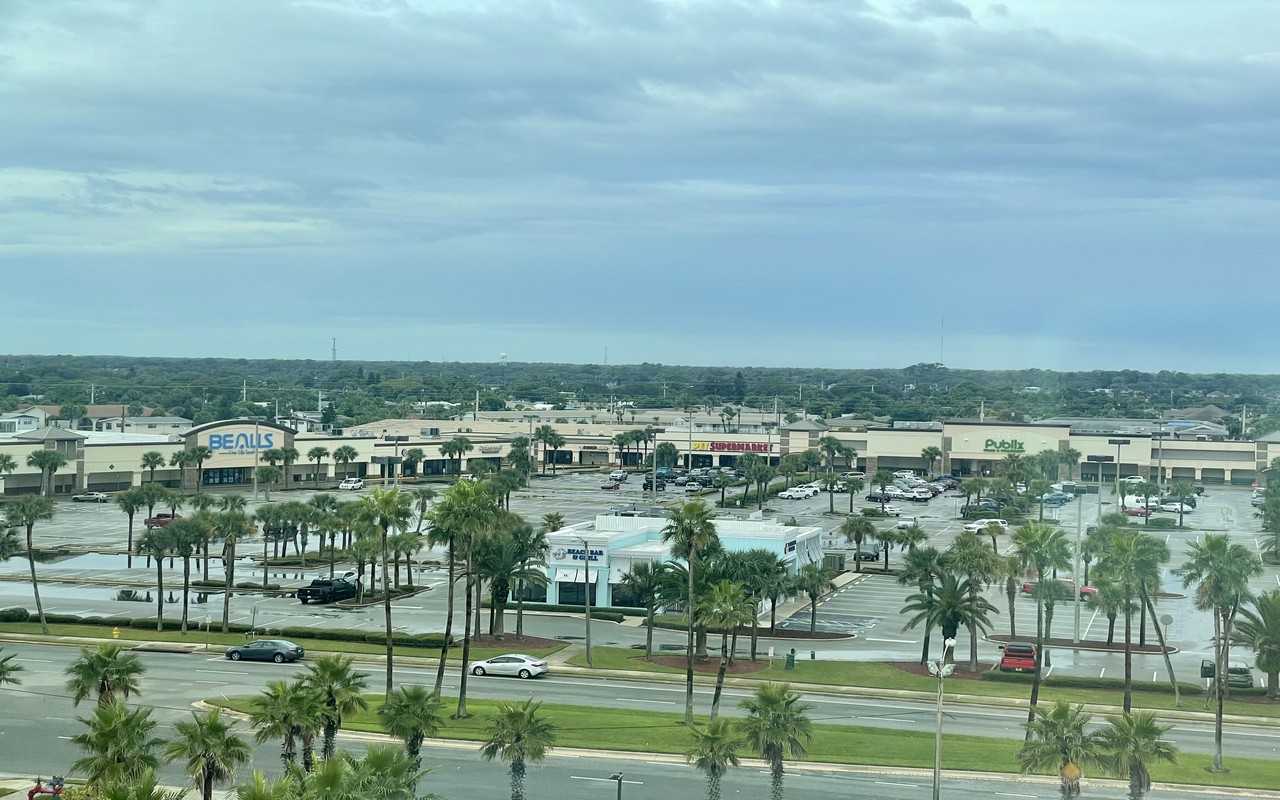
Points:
(514, 664)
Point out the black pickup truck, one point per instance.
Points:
(323, 590)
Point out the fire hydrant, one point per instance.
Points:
(115, 632)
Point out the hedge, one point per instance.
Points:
(621, 612)
(1162, 524)
(14, 615)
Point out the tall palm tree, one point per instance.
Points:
(725, 607)
(948, 605)
(715, 749)
(1058, 739)
(969, 556)
(1130, 744)
(644, 582)
(922, 568)
(184, 536)
(230, 526)
(345, 455)
(288, 456)
(9, 672)
(422, 499)
(519, 735)
(931, 456)
(119, 743)
(1122, 565)
(532, 545)
(151, 461)
(501, 561)
(1220, 570)
(155, 544)
(181, 459)
(857, 530)
(290, 712)
(1259, 630)
(130, 502)
(1041, 548)
(339, 685)
(388, 509)
(814, 580)
(198, 455)
(776, 723)
(209, 748)
(105, 671)
(456, 448)
(48, 462)
(318, 455)
(690, 533)
(25, 511)
(411, 714)
(542, 435)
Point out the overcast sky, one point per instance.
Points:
(1069, 184)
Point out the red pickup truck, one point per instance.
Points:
(161, 519)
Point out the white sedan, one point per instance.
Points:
(979, 525)
(514, 664)
(892, 511)
(1176, 508)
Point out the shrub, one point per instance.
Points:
(1085, 682)
(14, 615)
(1162, 524)
(271, 587)
(621, 612)
(873, 512)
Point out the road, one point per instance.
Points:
(38, 717)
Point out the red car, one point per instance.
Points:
(1018, 657)
(161, 519)
(610, 485)
(1086, 592)
(1138, 512)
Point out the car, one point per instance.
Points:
(662, 485)
(919, 495)
(1086, 592)
(277, 650)
(618, 475)
(1137, 512)
(794, 493)
(1176, 508)
(839, 488)
(905, 522)
(683, 479)
(324, 590)
(851, 475)
(892, 511)
(1133, 479)
(979, 525)
(520, 666)
(161, 519)
(869, 552)
(693, 486)
(1239, 675)
(1056, 497)
(351, 484)
(612, 484)
(1018, 657)
(91, 497)
(1189, 500)
(666, 473)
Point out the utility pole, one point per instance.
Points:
(334, 350)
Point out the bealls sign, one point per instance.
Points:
(1004, 446)
(240, 443)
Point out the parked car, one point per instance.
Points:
(869, 552)
(618, 475)
(324, 590)
(920, 495)
(90, 497)
(1085, 593)
(1133, 479)
(1137, 512)
(1189, 500)
(905, 522)
(794, 493)
(683, 479)
(1018, 657)
(648, 484)
(161, 519)
(693, 486)
(277, 650)
(612, 484)
(1176, 508)
(979, 525)
(1056, 497)
(666, 473)
(351, 484)
(892, 511)
(513, 664)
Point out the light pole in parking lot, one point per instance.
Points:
(586, 591)
(1075, 612)
(1117, 443)
(941, 670)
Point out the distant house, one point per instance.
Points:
(160, 425)
(94, 414)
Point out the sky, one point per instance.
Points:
(1064, 184)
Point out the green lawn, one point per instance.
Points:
(224, 639)
(878, 675)
(661, 732)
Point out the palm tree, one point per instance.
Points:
(155, 545)
(725, 607)
(931, 456)
(230, 526)
(411, 714)
(854, 487)
(1122, 565)
(200, 454)
(1043, 549)
(456, 448)
(882, 480)
(518, 734)
(923, 567)
(119, 745)
(504, 561)
(130, 502)
(210, 749)
(969, 556)
(288, 712)
(715, 749)
(25, 511)
(345, 455)
(543, 434)
(9, 672)
(181, 459)
(1070, 457)
(422, 499)
(554, 442)
(48, 462)
(387, 508)
(1220, 570)
(776, 723)
(814, 580)
(184, 537)
(857, 530)
(1132, 743)
(151, 461)
(690, 533)
(103, 671)
(1058, 739)
(1259, 630)
(644, 582)
(288, 456)
(268, 474)
(143, 788)
(947, 605)
(338, 683)
(318, 455)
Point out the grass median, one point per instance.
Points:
(220, 640)
(597, 728)
(880, 675)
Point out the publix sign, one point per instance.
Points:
(240, 443)
(1004, 446)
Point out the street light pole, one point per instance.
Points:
(942, 670)
(1118, 443)
(617, 776)
(255, 462)
(586, 593)
(1075, 630)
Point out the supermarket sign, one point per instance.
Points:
(733, 447)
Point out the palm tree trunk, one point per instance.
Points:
(448, 622)
(773, 616)
(517, 779)
(724, 664)
(229, 568)
(265, 559)
(924, 650)
(775, 780)
(35, 584)
(688, 670)
(1219, 678)
(755, 628)
(386, 608)
(648, 630)
(1168, 663)
(333, 553)
(1128, 651)
(713, 784)
(813, 615)
(1010, 592)
(159, 594)
(1035, 675)
(186, 588)
(519, 608)
(461, 713)
(206, 785)
(129, 559)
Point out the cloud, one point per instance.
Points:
(937, 9)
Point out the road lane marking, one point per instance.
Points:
(222, 671)
(634, 700)
(1011, 794)
(35, 660)
(891, 641)
(890, 783)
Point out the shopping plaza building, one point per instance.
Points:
(107, 457)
